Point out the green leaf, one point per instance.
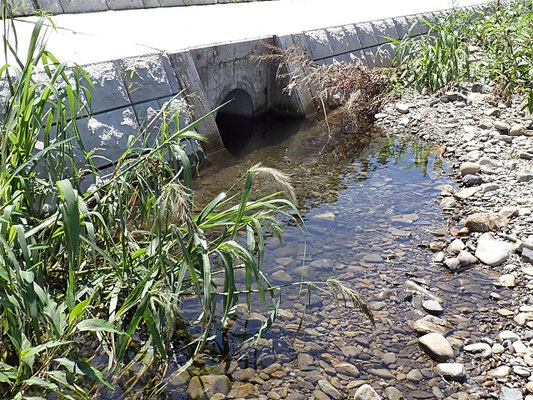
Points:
(78, 310)
(97, 325)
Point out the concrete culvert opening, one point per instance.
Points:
(235, 121)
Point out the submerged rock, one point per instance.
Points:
(208, 385)
(432, 307)
(430, 324)
(366, 392)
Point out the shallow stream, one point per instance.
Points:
(370, 208)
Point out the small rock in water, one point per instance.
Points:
(508, 335)
(500, 372)
(452, 264)
(347, 369)
(326, 216)
(508, 393)
(436, 346)
(432, 307)
(366, 392)
(483, 350)
(208, 385)
(466, 259)
(452, 371)
(393, 394)
(456, 246)
(415, 375)
(329, 389)
(430, 324)
(382, 373)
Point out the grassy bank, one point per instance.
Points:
(91, 282)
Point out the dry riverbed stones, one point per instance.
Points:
(490, 212)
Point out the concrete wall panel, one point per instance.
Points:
(109, 132)
(22, 7)
(383, 55)
(77, 6)
(146, 78)
(339, 40)
(318, 44)
(151, 3)
(358, 57)
(109, 91)
(188, 76)
(367, 34)
(51, 6)
(385, 29)
(124, 4)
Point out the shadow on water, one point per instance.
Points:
(242, 134)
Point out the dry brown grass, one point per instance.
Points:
(347, 95)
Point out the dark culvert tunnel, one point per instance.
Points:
(235, 121)
(242, 130)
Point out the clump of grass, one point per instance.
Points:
(436, 59)
(501, 32)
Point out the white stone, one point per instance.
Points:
(366, 392)
(507, 280)
(481, 349)
(520, 348)
(436, 346)
(508, 335)
(500, 372)
(402, 108)
(469, 168)
(509, 211)
(451, 371)
(517, 130)
(456, 246)
(432, 306)
(493, 252)
(465, 258)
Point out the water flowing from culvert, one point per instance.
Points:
(370, 206)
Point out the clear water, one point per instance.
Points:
(383, 193)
